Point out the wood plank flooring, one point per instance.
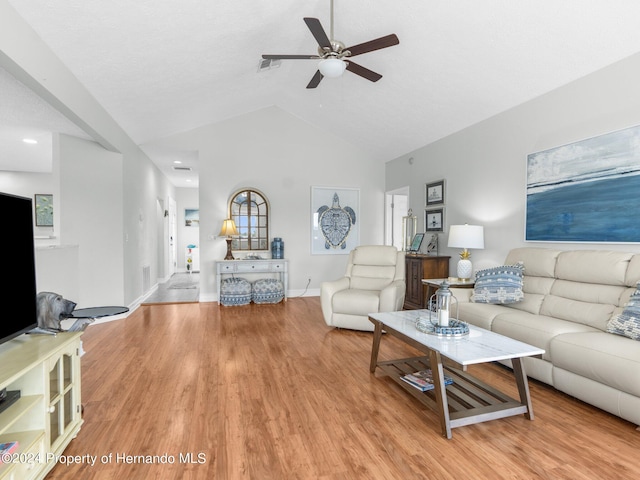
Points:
(271, 392)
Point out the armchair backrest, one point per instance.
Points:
(373, 267)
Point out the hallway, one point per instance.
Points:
(180, 288)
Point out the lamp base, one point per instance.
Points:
(229, 254)
(465, 268)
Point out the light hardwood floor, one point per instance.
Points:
(270, 392)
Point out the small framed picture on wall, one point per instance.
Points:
(435, 193)
(434, 220)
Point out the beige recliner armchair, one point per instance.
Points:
(374, 282)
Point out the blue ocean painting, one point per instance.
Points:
(588, 191)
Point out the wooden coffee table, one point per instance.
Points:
(467, 400)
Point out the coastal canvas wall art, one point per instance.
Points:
(586, 191)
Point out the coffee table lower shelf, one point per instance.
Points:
(468, 400)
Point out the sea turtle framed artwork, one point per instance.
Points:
(335, 222)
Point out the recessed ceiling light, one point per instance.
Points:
(30, 141)
(177, 161)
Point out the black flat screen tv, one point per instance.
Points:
(19, 312)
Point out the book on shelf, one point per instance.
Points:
(7, 448)
(423, 380)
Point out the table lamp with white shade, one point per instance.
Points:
(228, 229)
(465, 237)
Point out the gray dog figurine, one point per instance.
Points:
(52, 308)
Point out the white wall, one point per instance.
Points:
(31, 61)
(484, 165)
(281, 156)
(92, 217)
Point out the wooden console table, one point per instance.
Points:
(265, 268)
(418, 267)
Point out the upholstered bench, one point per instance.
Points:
(235, 291)
(267, 290)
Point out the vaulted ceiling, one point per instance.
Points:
(163, 67)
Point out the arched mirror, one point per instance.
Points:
(249, 209)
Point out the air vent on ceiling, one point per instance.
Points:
(182, 169)
(268, 64)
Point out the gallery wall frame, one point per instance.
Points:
(191, 217)
(335, 220)
(43, 209)
(584, 191)
(434, 220)
(434, 193)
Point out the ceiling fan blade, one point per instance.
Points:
(363, 72)
(377, 44)
(290, 57)
(315, 81)
(318, 32)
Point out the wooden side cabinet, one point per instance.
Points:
(418, 267)
(46, 371)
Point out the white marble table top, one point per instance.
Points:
(479, 346)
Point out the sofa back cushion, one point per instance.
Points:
(539, 270)
(538, 262)
(373, 267)
(583, 286)
(593, 266)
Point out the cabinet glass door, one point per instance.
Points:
(61, 406)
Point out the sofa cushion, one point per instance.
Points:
(369, 277)
(593, 266)
(628, 322)
(536, 330)
(373, 267)
(501, 285)
(356, 302)
(538, 262)
(609, 359)
(596, 315)
(479, 314)
(375, 255)
(633, 271)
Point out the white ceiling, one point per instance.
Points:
(163, 67)
(24, 115)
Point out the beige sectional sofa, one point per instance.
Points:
(569, 299)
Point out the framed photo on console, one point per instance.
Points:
(416, 243)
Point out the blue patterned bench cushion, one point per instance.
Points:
(501, 285)
(235, 291)
(628, 322)
(267, 290)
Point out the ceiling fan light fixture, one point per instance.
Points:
(332, 67)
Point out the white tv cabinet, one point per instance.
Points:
(47, 416)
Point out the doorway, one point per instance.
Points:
(396, 207)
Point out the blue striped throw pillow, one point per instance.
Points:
(628, 322)
(501, 285)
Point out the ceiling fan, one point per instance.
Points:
(335, 58)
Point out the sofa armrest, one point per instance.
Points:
(463, 295)
(328, 290)
(392, 296)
